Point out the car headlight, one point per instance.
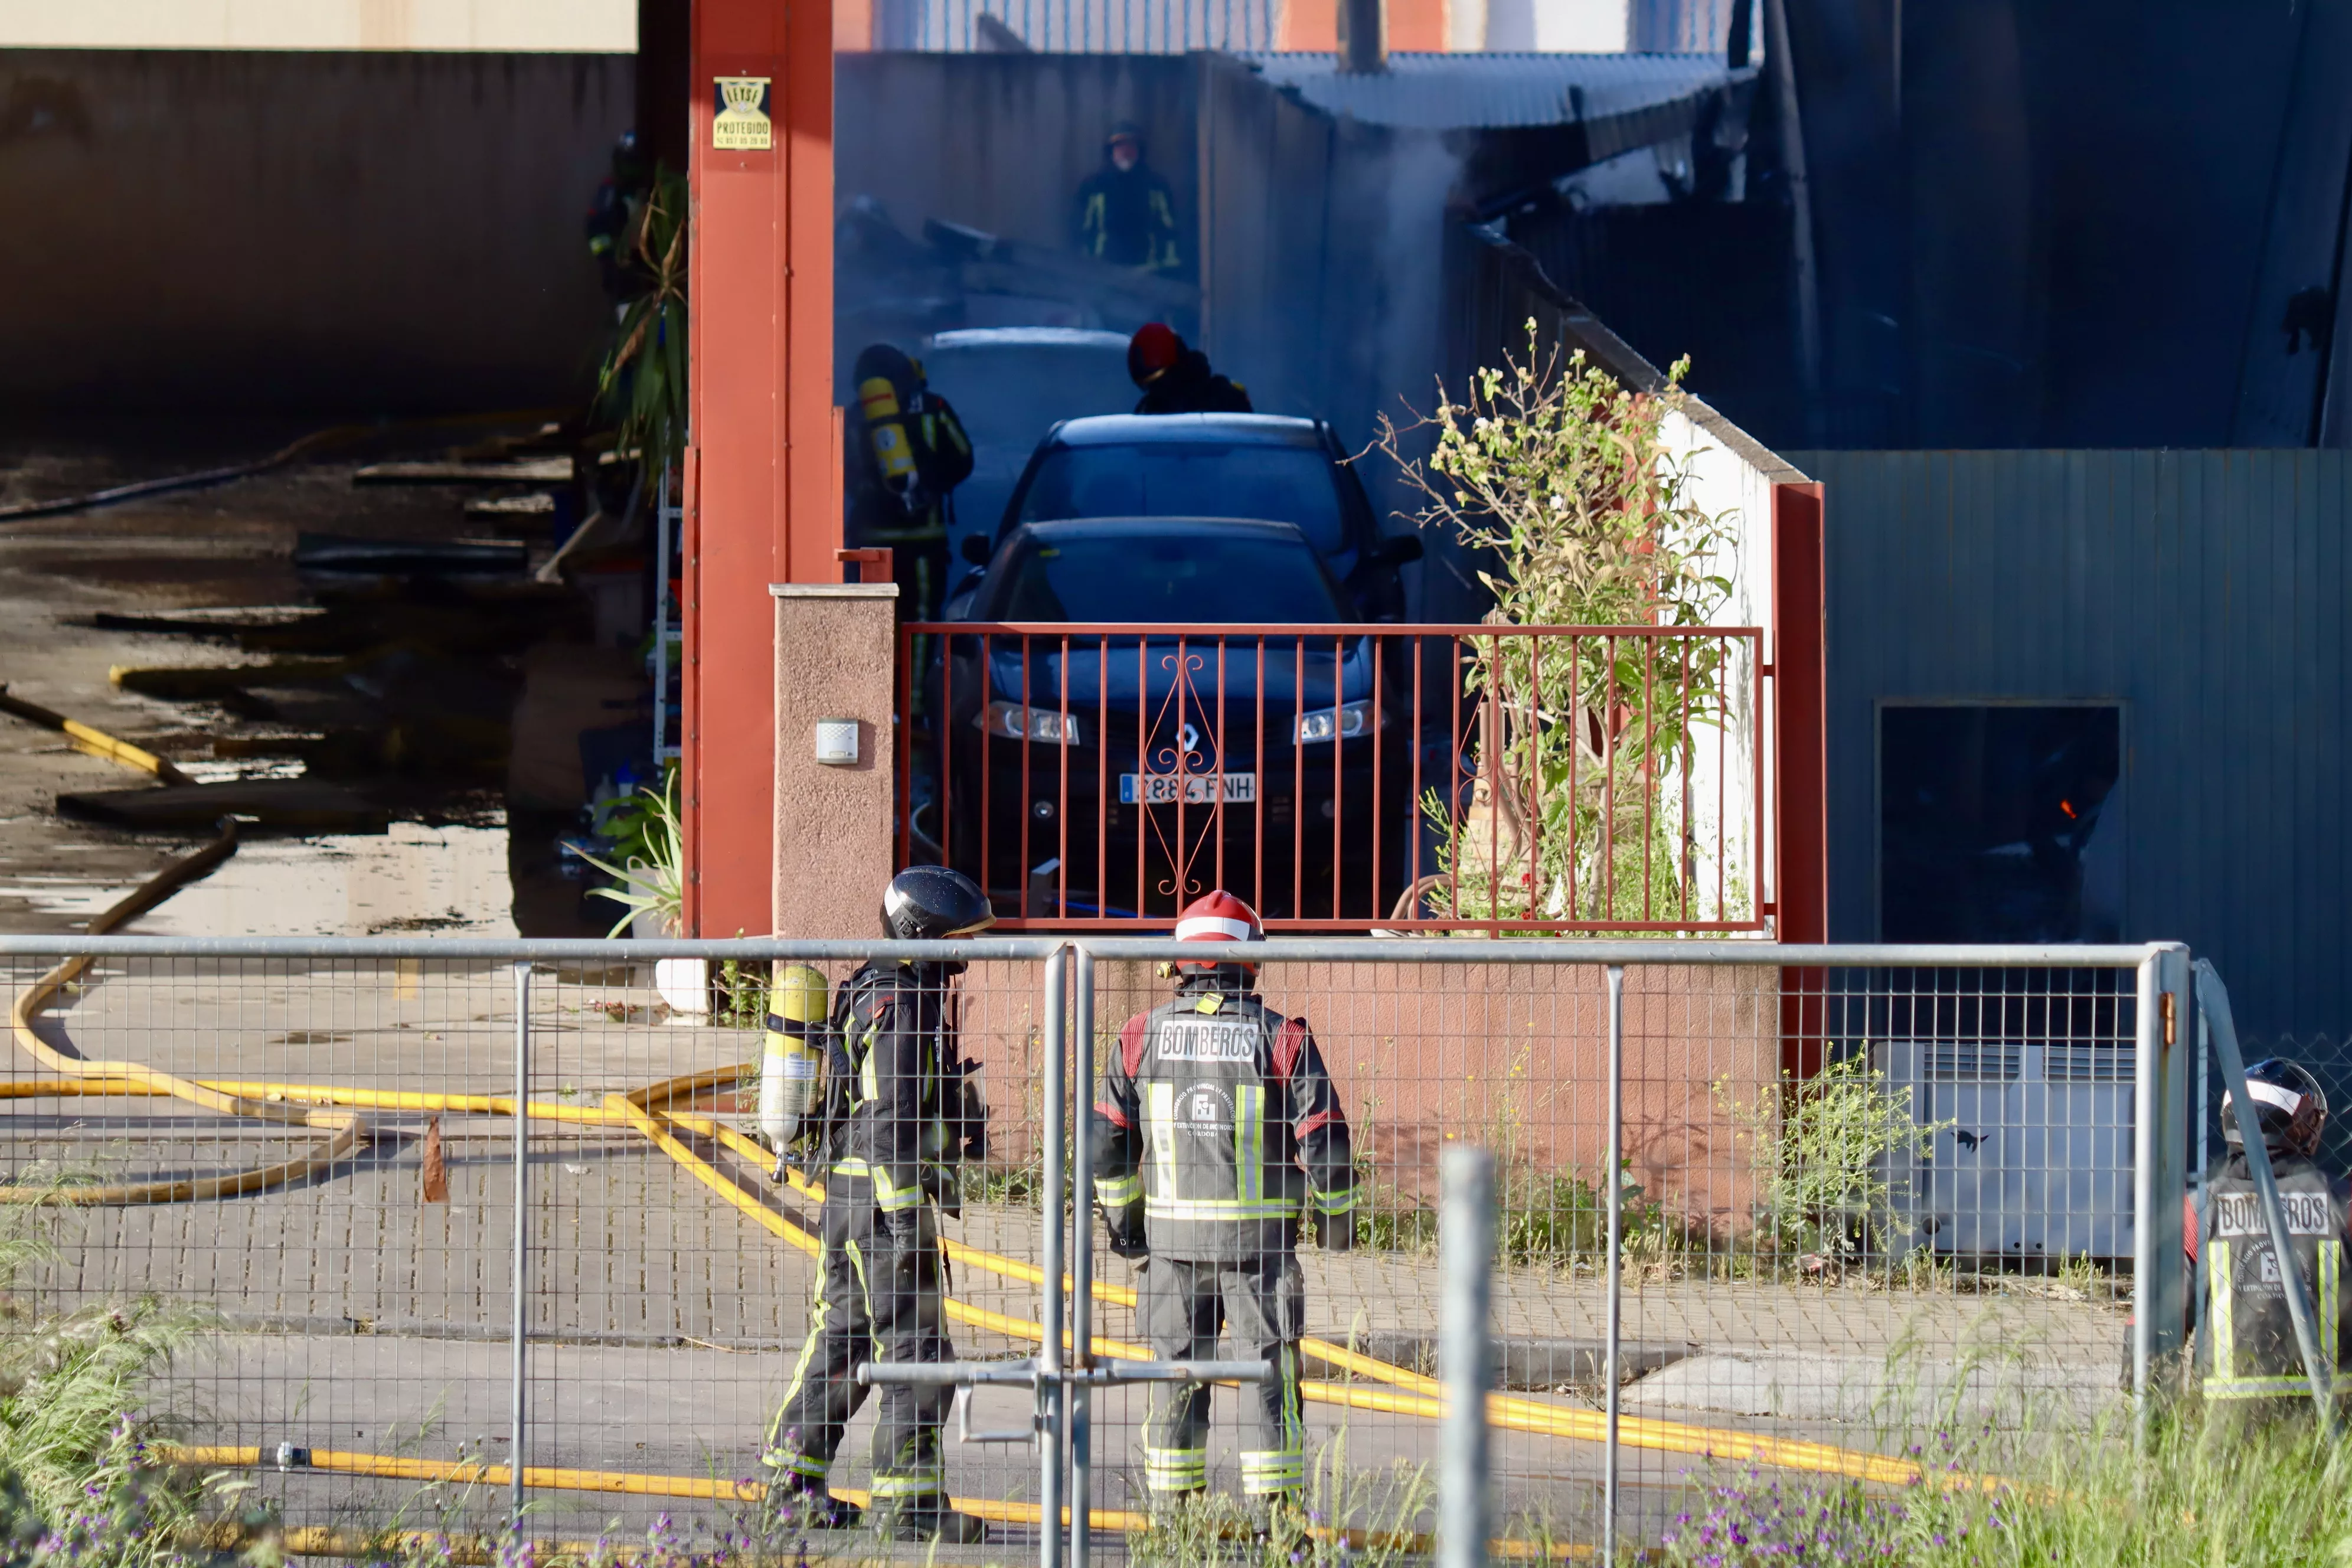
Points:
(1048, 726)
(1344, 722)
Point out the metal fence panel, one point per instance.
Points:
(1863, 1192)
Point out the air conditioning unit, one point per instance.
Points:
(2031, 1157)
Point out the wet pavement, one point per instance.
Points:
(226, 551)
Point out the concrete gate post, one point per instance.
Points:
(835, 660)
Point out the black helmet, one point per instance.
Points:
(926, 903)
(2289, 1103)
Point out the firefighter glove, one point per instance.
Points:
(1335, 1232)
(975, 1122)
(904, 1226)
(1128, 1243)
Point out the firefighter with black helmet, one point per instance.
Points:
(902, 1111)
(1218, 1126)
(2250, 1366)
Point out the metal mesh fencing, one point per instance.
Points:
(1860, 1203)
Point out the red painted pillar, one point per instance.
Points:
(760, 493)
(1801, 874)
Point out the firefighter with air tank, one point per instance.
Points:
(898, 1110)
(2249, 1365)
(1217, 1128)
(907, 452)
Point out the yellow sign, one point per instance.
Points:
(741, 124)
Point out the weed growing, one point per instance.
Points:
(2201, 1497)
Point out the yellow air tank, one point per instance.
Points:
(793, 1058)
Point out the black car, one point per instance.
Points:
(1256, 466)
(1107, 773)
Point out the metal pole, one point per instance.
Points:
(1082, 1266)
(661, 621)
(2196, 1287)
(1466, 1349)
(2213, 999)
(519, 1329)
(1612, 1368)
(2145, 1122)
(1051, 1392)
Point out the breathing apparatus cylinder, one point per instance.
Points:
(793, 1058)
(889, 393)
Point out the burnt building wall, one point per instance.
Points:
(344, 233)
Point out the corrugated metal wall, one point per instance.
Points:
(2207, 591)
(1687, 27)
(1080, 27)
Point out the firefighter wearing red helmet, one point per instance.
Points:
(1218, 1126)
(2250, 1366)
(1176, 379)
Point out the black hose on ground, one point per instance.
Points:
(26, 511)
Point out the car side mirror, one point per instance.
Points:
(1400, 551)
(976, 550)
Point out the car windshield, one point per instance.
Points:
(1204, 578)
(1273, 484)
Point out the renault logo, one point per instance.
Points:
(1190, 736)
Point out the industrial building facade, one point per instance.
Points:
(2155, 641)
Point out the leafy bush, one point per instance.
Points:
(1825, 1149)
(649, 844)
(1563, 479)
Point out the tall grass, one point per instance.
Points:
(2222, 1497)
(76, 1484)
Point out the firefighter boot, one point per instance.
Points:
(796, 1502)
(930, 1518)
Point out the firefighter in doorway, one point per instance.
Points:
(1127, 214)
(1218, 1125)
(2250, 1367)
(901, 1111)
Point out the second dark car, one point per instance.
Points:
(1107, 771)
(1260, 467)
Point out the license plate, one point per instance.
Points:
(1197, 789)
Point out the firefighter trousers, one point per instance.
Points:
(1262, 1304)
(876, 1301)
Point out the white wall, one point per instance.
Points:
(1731, 478)
(584, 27)
(1573, 27)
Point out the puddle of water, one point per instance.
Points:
(230, 770)
(412, 880)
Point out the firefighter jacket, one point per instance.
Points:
(1220, 1123)
(2248, 1348)
(1190, 386)
(909, 1113)
(1128, 217)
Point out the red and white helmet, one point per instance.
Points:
(1216, 918)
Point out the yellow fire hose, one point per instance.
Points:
(650, 1112)
(93, 742)
(346, 1131)
(470, 1472)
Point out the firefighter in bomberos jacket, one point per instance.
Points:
(1217, 1126)
(902, 1111)
(2250, 1368)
